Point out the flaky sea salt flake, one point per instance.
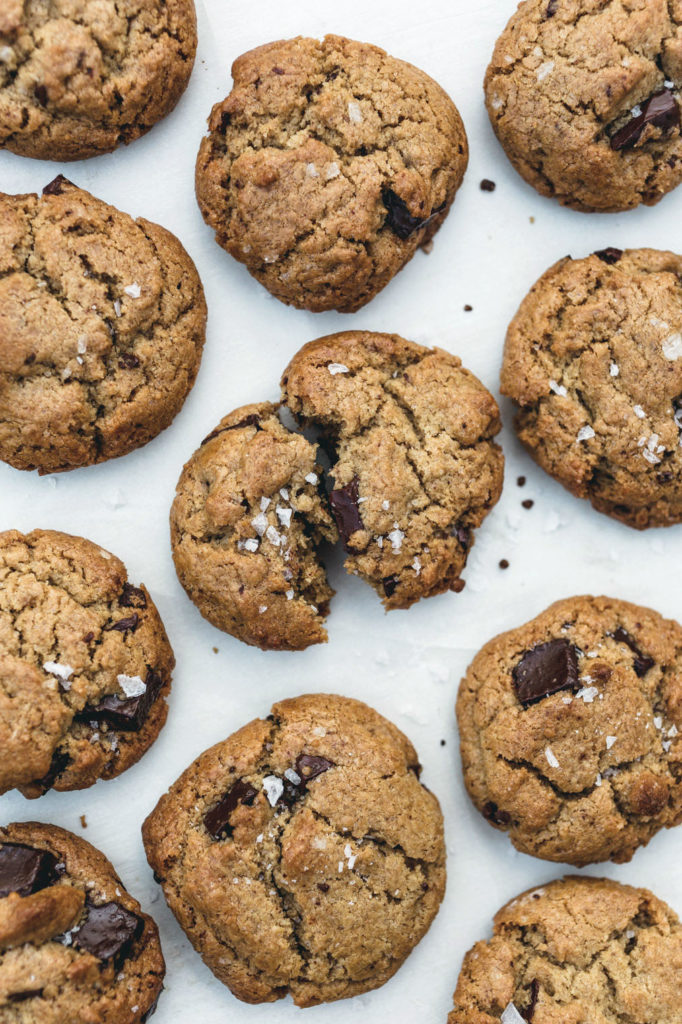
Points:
(133, 290)
(672, 347)
(273, 788)
(62, 671)
(335, 368)
(132, 686)
(585, 433)
(510, 1015)
(558, 389)
(551, 758)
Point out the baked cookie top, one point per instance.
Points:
(74, 944)
(594, 360)
(327, 166)
(570, 730)
(585, 99)
(302, 855)
(85, 664)
(102, 325)
(415, 466)
(78, 79)
(246, 524)
(575, 950)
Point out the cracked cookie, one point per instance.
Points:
(246, 525)
(574, 950)
(74, 944)
(102, 325)
(585, 99)
(594, 360)
(326, 168)
(415, 466)
(302, 855)
(78, 79)
(570, 730)
(85, 664)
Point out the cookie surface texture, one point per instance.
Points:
(327, 166)
(102, 325)
(85, 664)
(74, 944)
(570, 730)
(593, 359)
(585, 98)
(302, 855)
(416, 468)
(578, 949)
(78, 79)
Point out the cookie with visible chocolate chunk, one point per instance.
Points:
(78, 79)
(74, 944)
(593, 359)
(85, 664)
(302, 855)
(585, 99)
(102, 326)
(571, 730)
(246, 525)
(416, 468)
(326, 168)
(577, 949)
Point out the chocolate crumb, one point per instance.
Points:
(468, 308)
(54, 188)
(520, 481)
(458, 586)
(323, 887)
(487, 185)
(528, 503)
(504, 564)
(609, 255)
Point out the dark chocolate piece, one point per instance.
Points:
(491, 812)
(398, 217)
(249, 421)
(126, 713)
(323, 887)
(54, 188)
(642, 662)
(528, 503)
(217, 820)
(344, 502)
(463, 535)
(546, 669)
(123, 625)
(660, 110)
(60, 759)
(128, 361)
(504, 564)
(487, 185)
(551, 8)
(132, 597)
(389, 584)
(40, 93)
(311, 766)
(609, 255)
(25, 870)
(152, 1009)
(108, 932)
(534, 989)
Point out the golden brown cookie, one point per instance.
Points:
(572, 951)
(74, 944)
(326, 168)
(593, 359)
(570, 730)
(585, 98)
(415, 467)
(102, 325)
(246, 525)
(302, 855)
(85, 664)
(78, 79)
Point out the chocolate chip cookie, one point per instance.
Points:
(102, 325)
(585, 99)
(415, 468)
(85, 664)
(326, 168)
(78, 79)
(246, 524)
(578, 949)
(74, 944)
(302, 855)
(593, 358)
(570, 730)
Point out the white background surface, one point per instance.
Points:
(406, 664)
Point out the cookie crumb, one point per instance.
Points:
(83, 821)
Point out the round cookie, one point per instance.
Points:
(415, 468)
(575, 950)
(570, 730)
(85, 664)
(594, 360)
(302, 855)
(326, 168)
(74, 944)
(246, 524)
(585, 99)
(102, 325)
(78, 79)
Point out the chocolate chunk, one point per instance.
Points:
(311, 766)
(457, 586)
(491, 812)
(398, 217)
(609, 255)
(642, 662)
(249, 421)
(54, 188)
(60, 759)
(25, 870)
(416, 768)
(660, 110)
(128, 361)
(390, 583)
(344, 502)
(546, 669)
(520, 481)
(551, 8)
(108, 931)
(217, 820)
(487, 185)
(126, 713)
(123, 625)
(463, 535)
(40, 93)
(30, 359)
(132, 597)
(323, 887)
(534, 989)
